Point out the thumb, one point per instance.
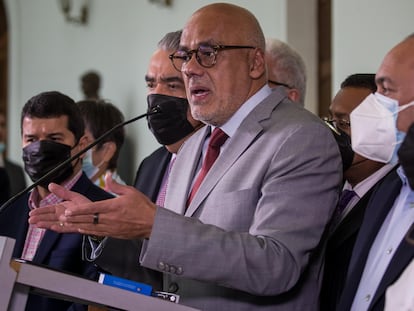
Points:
(114, 187)
(66, 194)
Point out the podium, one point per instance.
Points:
(18, 279)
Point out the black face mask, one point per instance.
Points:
(41, 156)
(345, 147)
(171, 124)
(406, 155)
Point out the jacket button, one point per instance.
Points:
(161, 266)
(173, 288)
(179, 270)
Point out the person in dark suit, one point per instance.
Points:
(381, 251)
(4, 186)
(251, 236)
(362, 176)
(52, 131)
(14, 171)
(164, 83)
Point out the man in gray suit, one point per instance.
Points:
(251, 237)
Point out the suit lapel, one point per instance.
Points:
(184, 169)
(46, 246)
(377, 209)
(351, 223)
(236, 146)
(50, 238)
(248, 131)
(189, 155)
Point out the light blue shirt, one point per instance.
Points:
(392, 232)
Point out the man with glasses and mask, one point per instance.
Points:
(52, 131)
(361, 176)
(379, 123)
(249, 196)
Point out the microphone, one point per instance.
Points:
(155, 110)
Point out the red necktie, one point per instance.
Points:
(218, 138)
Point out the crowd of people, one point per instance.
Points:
(252, 202)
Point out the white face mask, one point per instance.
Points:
(374, 132)
(87, 165)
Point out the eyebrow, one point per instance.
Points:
(172, 79)
(381, 80)
(209, 43)
(165, 79)
(148, 78)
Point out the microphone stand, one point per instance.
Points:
(153, 111)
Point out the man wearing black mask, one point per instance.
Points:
(52, 131)
(171, 128)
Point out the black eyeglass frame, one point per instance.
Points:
(216, 48)
(342, 124)
(280, 84)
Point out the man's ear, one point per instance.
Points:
(110, 149)
(83, 143)
(293, 95)
(258, 64)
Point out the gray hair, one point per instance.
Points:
(170, 41)
(288, 65)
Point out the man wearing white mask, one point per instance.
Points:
(379, 124)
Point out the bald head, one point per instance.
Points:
(395, 79)
(241, 25)
(225, 63)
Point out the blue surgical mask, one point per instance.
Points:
(87, 165)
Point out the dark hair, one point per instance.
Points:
(53, 105)
(361, 80)
(93, 78)
(99, 117)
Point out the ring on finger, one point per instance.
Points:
(96, 218)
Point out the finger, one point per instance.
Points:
(50, 209)
(62, 227)
(86, 219)
(66, 194)
(87, 209)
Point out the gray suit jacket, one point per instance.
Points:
(252, 236)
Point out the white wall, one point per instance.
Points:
(364, 31)
(47, 53)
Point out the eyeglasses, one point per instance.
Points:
(280, 84)
(205, 55)
(342, 124)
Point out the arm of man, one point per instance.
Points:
(128, 216)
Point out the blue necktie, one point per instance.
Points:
(344, 199)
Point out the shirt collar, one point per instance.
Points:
(234, 122)
(52, 198)
(403, 177)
